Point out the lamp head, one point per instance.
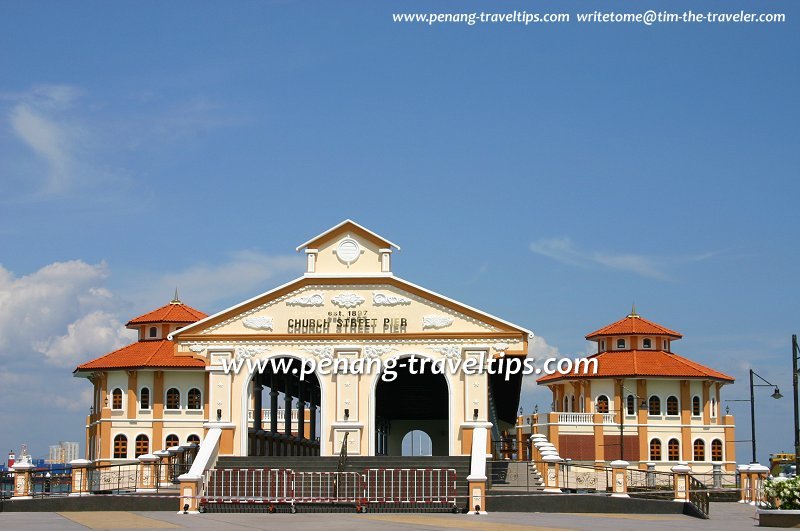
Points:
(777, 394)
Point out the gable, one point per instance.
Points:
(358, 307)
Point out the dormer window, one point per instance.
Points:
(603, 345)
(152, 332)
(647, 343)
(621, 343)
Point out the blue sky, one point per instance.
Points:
(566, 171)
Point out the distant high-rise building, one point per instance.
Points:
(63, 452)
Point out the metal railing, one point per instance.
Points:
(55, 482)
(698, 496)
(395, 487)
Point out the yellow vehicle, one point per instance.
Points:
(782, 464)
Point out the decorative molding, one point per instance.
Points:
(436, 321)
(501, 348)
(385, 299)
(320, 352)
(258, 322)
(243, 353)
(448, 351)
(197, 348)
(315, 299)
(377, 352)
(347, 300)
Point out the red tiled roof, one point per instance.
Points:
(642, 363)
(142, 354)
(170, 313)
(633, 324)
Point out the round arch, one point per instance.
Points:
(244, 425)
(373, 413)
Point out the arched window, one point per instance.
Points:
(672, 405)
(193, 439)
(173, 398)
(630, 405)
(655, 450)
(582, 404)
(417, 442)
(654, 406)
(144, 398)
(699, 450)
(572, 399)
(142, 445)
(696, 411)
(195, 400)
(620, 343)
(674, 450)
(602, 404)
(172, 440)
(120, 447)
(116, 398)
(647, 343)
(566, 404)
(714, 407)
(716, 450)
(153, 331)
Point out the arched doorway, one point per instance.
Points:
(416, 443)
(411, 402)
(283, 413)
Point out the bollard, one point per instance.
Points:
(758, 474)
(744, 483)
(551, 473)
(717, 474)
(650, 476)
(619, 471)
(681, 478)
(80, 477)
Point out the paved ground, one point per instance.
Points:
(727, 516)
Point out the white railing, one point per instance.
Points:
(266, 415)
(575, 418)
(584, 418)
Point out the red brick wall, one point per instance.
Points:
(631, 443)
(577, 447)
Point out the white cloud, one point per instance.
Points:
(60, 312)
(96, 332)
(564, 251)
(242, 275)
(37, 119)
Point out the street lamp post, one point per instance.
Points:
(795, 351)
(776, 395)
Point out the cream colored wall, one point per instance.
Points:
(181, 422)
(329, 263)
(283, 309)
(336, 393)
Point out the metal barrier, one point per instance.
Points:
(407, 488)
(249, 485)
(410, 485)
(327, 487)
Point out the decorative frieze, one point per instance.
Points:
(246, 352)
(436, 321)
(347, 300)
(322, 352)
(259, 322)
(376, 352)
(448, 351)
(314, 299)
(387, 299)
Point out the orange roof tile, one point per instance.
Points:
(170, 313)
(633, 324)
(642, 363)
(142, 354)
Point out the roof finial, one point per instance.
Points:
(633, 311)
(176, 300)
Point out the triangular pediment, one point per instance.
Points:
(363, 307)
